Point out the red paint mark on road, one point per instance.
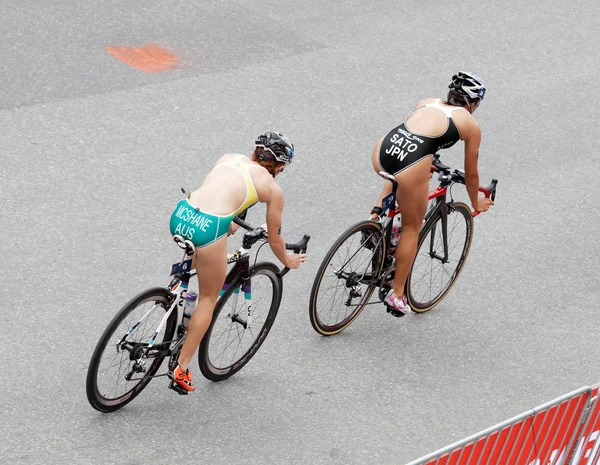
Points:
(151, 58)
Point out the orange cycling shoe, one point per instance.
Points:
(183, 380)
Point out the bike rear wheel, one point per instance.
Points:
(432, 277)
(119, 370)
(346, 278)
(230, 342)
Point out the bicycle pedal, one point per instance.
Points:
(394, 312)
(178, 389)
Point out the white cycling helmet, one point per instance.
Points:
(469, 86)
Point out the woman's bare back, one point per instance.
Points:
(224, 189)
(431, 122)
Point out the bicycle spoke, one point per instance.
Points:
(229, 340)
(333, 304)
(233, 325)
(339, 307)
(361, 259)
(436, 267)
(332, 298)
(110, 380)
(221, 354)
(115, 373)
(113, 368)
(238, 335)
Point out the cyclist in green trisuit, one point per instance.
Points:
(407, 151)
(205, 217)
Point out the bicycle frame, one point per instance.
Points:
(182, 272)
(178, 288)
(440, 205)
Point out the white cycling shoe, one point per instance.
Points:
(400, 304)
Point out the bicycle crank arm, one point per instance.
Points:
(368, 303)
(147, 377)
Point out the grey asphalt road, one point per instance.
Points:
(93, 154)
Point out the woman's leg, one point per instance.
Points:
(211, 269)
(387, 187)
(412, 196)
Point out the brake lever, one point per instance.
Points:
(489, 192)
(300, 247)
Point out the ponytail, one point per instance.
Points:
(456, 99)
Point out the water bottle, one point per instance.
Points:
(189, 305)
(396, 230)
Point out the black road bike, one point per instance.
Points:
(362, 259)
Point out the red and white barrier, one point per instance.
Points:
(587, 448)
(545, 435)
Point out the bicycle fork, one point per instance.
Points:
(234, 314)
(432, 252)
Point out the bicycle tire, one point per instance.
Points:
(370, 228)
(454, 208)
(96, 399)
(208, 364)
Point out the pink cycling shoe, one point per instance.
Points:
(399, 304)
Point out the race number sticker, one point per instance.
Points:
(183, 267)
(387, 201)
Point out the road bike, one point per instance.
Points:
(362, 258)
(152, 325)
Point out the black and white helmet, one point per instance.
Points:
(277, 145)
(468, 85)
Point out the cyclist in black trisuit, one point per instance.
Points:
(406, 152)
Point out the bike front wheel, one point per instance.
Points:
(241, 322)
(122, 366)
(347, 278)
(438, 262)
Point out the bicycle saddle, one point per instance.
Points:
(184, 244)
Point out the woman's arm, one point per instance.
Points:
(387, 190)
(472, 138)
(276, 242)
